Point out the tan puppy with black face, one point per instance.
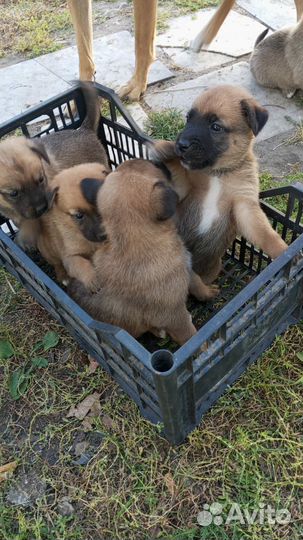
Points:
(23, 184)
(28, 165)
(216, 176)
(277, 60)
(70, 231)
(143, 269)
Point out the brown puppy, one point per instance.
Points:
(27, 165)
(143, 270)
(23, 182)
(216, 176)
(276, 61)
(70, 231)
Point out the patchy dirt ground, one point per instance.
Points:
(119, 479)
(282, 155)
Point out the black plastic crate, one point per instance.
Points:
(258, 300)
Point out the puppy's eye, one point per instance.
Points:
(78, 216)
(216, 127)
(14, 194)
(41, 179)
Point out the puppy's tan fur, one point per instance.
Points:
(23, 165)
(24, 162)
(233, 178)
(60, 240)
(143, 271)
(277, 60)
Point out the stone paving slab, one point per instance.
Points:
(283, 112)
(236, 37)
(197, 62)
(114, 60)
(24, 85)
(273, 13)
(137, 113)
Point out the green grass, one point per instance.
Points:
(136, 487)
(190, 6)
(32, 27)
(182, 7)
(165, 124)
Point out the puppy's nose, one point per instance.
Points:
(182, 144)
(41, 209)
(101, 236)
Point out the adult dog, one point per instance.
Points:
(145, 13)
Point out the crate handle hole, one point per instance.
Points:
(162, 361)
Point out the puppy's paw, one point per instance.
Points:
(90, 282)
(159, 332)
(211, 292)
(277, 248)
(24, 243)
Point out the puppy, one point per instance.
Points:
(276, 61)
(70, 231)
(215, 173)
(143, 269)
(28, 165)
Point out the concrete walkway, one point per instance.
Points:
(176, 78)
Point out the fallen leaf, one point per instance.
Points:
(81, 410)
(6, 469)
(170, 484)
(107, 421)
(87, 424)
(88, 421)
(96, 408)
(93, 365)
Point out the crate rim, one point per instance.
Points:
(9, 125)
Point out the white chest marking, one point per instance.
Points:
(210, 210)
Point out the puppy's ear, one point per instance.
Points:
(37, 146)
(90, 188)
(164, 169)
(51, 197)
(164, 201)
(255, 115)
